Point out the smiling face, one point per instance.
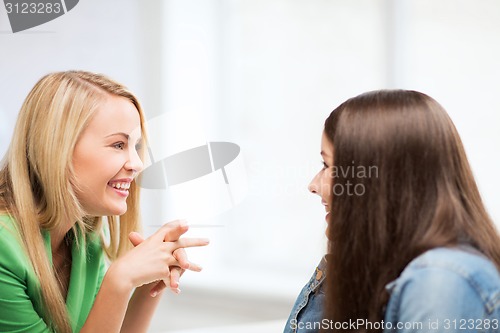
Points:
(106, 159)
(323, 181)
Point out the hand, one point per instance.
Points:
(160, 257)
(175, 271)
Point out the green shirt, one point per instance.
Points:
(20, 298)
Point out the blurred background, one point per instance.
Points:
(264, 74)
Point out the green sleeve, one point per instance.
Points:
(17, 308)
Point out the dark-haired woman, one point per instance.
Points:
(411, 246)
(413, 250)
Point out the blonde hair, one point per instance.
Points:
(37, 184)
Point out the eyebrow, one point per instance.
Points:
(124, 135)
(119, 133)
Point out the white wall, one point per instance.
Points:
(99, 36)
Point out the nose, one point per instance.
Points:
(134, 162)
(313, 185)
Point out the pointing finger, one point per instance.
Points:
(191, 242)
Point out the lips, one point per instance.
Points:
(121, 186)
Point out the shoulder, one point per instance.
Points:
(9, 236)
(447, 282)
(13, 258)
(464, 264)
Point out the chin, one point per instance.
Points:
(114, 210)
(119, 211)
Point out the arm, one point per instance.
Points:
(110, 304)
(145, 299)
(17, 312)
(140, 310)
(148, 262)
(115, 311)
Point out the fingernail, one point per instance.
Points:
(176, 290)
(183, 223)
(154, 294)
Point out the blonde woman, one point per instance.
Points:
(70, 169)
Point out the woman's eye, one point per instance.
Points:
(119, 145)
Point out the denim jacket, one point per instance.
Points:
(444, 290)
(308, 308)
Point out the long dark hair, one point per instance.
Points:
(414, 191)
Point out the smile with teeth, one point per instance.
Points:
(120, 186)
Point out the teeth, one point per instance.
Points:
(121, 186)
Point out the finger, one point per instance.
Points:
(175, 274)
(194, 267)
(191, 242)
(157, 289)
(181, 257)
(171, 231)
(166, 280)
(135, 238)
(177, 229)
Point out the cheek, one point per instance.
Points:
(83, 161)
(91, 171)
